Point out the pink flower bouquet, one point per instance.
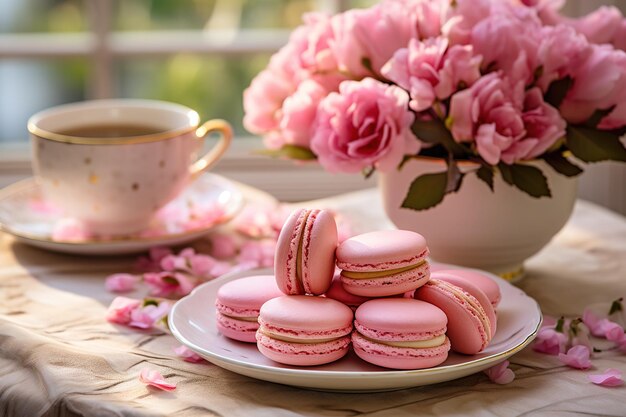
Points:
(496, 82)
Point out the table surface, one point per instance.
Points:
(58, 356)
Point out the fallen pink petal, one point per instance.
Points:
(577, 357)
(154, 378)
(146, 317)
(550, 341)
(120, 283)
(501, 373)
(610, 378)
(188, 355)
(121, 309)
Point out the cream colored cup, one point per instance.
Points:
(115, 185)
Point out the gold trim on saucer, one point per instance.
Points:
(23, 185)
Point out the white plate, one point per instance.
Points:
(25, 214)
(192, 321)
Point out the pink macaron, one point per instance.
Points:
(238, 303)
(469, 325)
(475, 291)
(303, 330)
(482, 281)
(305, 252)
(383, 263)
(400, 333)
(337, 292)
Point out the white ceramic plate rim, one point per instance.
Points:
(442, 369)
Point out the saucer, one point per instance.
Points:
(193, 324)
(207, 202)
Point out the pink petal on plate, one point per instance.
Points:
(577, 357)
(155, 379)
(120, 282)
(188, 355)
(500, 373)
(610, 378)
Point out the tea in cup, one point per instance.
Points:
(112, 164)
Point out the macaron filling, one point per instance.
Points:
(415, 344)
(475, 308)
(248, 319)
(289, 339)
(382, 266)
(381, 273)
(302, 336)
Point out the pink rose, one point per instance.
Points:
(489, 113)
(373, 34)
(599, 83)
(430, 70)
(298, 113)
(462, 16)
(543, 124)
(600, 26)
(367, 123)
(263, 100)
(560, 52)
(306, 55)
(509, 43)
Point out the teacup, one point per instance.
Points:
(111, 164)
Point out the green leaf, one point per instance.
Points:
(597, 117)
(435, 132)
(591, 145)
(527, 178)
(368, 172)
(289, 151)
(616, 306)
(562, 165)
(505, 171)
(485, 174)
(455, 177)
(558, 90)
(426, 191)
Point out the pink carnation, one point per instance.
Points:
(365, 124)
(298, 113)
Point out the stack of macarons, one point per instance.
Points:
(373, 292)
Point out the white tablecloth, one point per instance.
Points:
(59, 357)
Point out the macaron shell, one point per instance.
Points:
(486, 284)
(310, 316)
(466, 331)
(399, 358)
(301, 354)
(244, 297)
(318, 252)
(400, 319)
(317, 231)
(390, 285)
(473, 290)
(381, 250)
(337, 292)
(285, 259)
(243, 331)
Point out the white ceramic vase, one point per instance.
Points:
(495, 231)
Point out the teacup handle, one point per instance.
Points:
(211, 157)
